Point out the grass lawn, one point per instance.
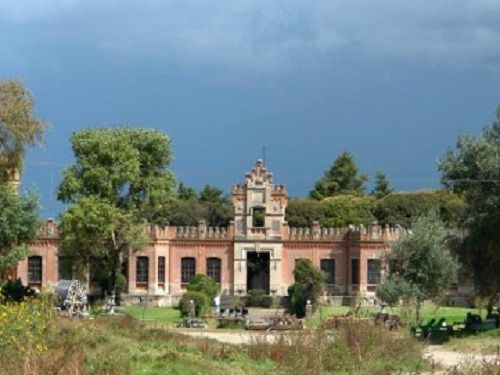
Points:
(429, 311)
(487, 342)
(166, 315)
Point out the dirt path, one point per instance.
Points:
(448, 358)
(231, 337)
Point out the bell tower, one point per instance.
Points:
(259, 205)
(259, 216)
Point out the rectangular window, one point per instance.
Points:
(259, 217)
(328, 268)
(355, 271)
(142, 270)
(65, 269)
(35, 269)
(373, 271)
(161, 270)
(188, 269)
(213, 268)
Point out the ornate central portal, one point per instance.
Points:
(258, 271)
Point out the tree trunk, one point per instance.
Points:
(417, 311)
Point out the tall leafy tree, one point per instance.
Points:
(19, 225)
(473, 169)
(19, 127)
(421, 265)
(120, 181)
(218, 207)
(186, 193)
(382, 186)
(341, 178)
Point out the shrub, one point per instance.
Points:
(120, 285)
(203, 284)
(15, 291)
(258, 298)
(308, 285)
(201, 303)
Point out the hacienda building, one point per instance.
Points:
(258, 250)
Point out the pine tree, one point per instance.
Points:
(341, 178)
(382, 187)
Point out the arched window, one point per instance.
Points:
(142, 270)
(188, 269)
(213, 268)
(35, 269)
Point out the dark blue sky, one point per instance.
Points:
(393, 82)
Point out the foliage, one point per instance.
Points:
(341, 178)
(211, 205)
(218, 207)
(120, 287)
(203, 284)
(403, 208)
(120, 181)
(393, 289)
(15, 291)
(356, 347)
(18, 126)
(258, 298)
(343, 210)
(122, 345)
(382, 187)
(473, 169)
(302, 212)
(25, 328)
(420, 263)
(186, 193)
(19, 225)
(309, 282)
(201, 303)
(184, 213)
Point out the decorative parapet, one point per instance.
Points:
(49, 230)
(373, 232)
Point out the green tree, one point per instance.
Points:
(403, 208)
(341, 178)
(302, 212)
(203, 284)
(382, 186)
(201, 304)
(186, 193)
(19, 226)
(342, 210)
(218, 207)
(420, 264)
(119, 182)
(473, 169)
(309, 283)
(184, 213)
(19, 127)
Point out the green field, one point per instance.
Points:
(166, 315)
